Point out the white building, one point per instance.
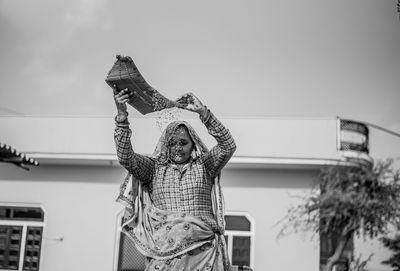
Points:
(72, 193)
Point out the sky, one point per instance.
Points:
(245, 59)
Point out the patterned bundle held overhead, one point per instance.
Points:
(124, 74)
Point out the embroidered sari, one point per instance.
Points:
(173, 240)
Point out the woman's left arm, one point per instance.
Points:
(219, 155)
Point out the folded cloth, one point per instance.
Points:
(124, 74)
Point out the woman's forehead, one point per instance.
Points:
(179, 128)
(181, 131)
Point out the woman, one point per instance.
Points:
(177, 219)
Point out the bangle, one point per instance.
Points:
(121, 118)
(206, 115)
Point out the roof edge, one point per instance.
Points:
(243, 162)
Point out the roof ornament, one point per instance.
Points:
(10, 155)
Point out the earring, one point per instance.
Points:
(194, 154)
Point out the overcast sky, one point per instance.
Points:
(290, 59)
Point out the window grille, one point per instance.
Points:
(127, 257)
(21, 237)
(130, 259)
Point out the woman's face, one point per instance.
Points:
(180, 145)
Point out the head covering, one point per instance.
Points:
(161, 152)
(132, 192)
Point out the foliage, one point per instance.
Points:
(355, 199)
(394, 245)
(347, 201)
(359, 264)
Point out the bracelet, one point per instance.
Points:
(121, 118)
(204, 117)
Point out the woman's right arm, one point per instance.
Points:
(138, 165)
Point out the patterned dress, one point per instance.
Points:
(180, 199)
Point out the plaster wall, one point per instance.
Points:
(80, 206)
(266, 195)
(299, 138)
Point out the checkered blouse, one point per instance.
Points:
(186, 190)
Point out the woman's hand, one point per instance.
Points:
(190, 102)
(120, 99)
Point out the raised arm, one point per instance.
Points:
(140, 166)
(220, 154)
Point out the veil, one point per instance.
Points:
(134, 196)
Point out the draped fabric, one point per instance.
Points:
(161, 152)
(173, 240)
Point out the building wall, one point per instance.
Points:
(81, 208)
(79, 199)
(266, 196)
(300, 138)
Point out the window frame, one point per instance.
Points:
(118, 231)
(25, 224)
(230, 234)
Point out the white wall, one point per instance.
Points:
(266, 196)
(262, 137)
(81, 208)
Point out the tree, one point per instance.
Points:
(394, 245)
(348, 201)
(359, 264)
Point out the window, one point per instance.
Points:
(21, 237)
(127, 257)
(239, 236)
(327, 245)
